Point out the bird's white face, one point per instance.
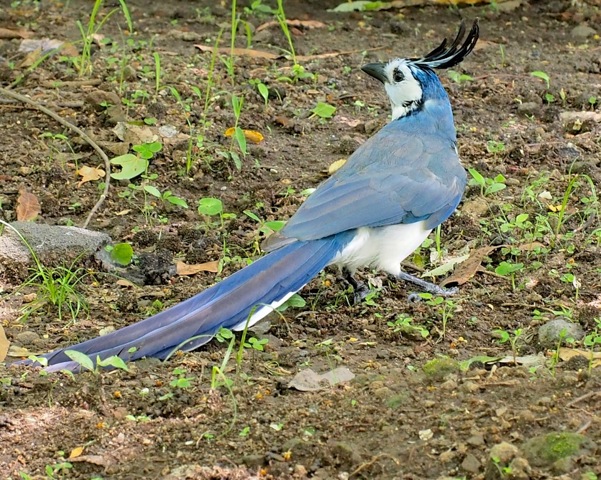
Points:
(402, 88)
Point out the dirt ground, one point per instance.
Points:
(420, 406)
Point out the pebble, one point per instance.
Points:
(557, 331)
(529, 109)
(27, 337)
(471, 463)
(503, 452)
(582, 32)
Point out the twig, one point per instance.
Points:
(373, 460)
(583, 397)
(82, 134)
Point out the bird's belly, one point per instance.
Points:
(383, 248)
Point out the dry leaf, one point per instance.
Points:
(102, 460)
(76, 452)
(4, 344)
(28, 206)
(566, 353)
(9, 33)
(272, 56)
(183, 268)
(309, 24)
(251, 135)
(90, 174)
(334, 166)
(125, 283)
(468, 269)
(310, 381)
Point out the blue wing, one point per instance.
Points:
(403, 174)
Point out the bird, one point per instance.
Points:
(373, 212)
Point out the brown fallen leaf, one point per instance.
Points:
(102, 460)
(334, 166)
(594, 357)
(4, 344)
(468, 269)
(10, 33)
(309, 24)
(28, 206)
(90, 174)
(183, 268)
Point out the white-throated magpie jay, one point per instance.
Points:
(373, 212)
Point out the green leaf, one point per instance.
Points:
(180, 202)
(241, 140)
(122, 253)
(295, 301)
(495, 187)
(358, 6)
(477, 176)
(324, 110)
(263, 90)
(81, 359)
(154, 191)
(210, 206)
(131, 166)
(542, 75)
(275, 225)
(252, 215)
(112, 361)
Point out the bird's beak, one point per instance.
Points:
(376, 70)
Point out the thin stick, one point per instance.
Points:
(82, 134)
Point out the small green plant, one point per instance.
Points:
(403, 324)
(323, 110)
(445, 308)
(509, 269)
(542, 75)
(84, 64)
(495, 146)
(488, 186)
(503, 336)
(238, 135)
(593, 341)
(86, 363)
(458, 77)
(211, 207)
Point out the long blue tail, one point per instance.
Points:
(249, 293)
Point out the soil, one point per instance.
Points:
(410, 412)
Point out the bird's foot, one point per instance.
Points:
(426, 286)
(360, 289)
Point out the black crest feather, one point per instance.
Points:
(445, 57)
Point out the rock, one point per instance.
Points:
(500, 457)
(471, 464)
(27, 337)
(475, 207)
(53, 245)
(582, 32)
(529, 109)
(558, 331)
(546, 450)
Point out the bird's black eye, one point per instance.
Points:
(398, 76)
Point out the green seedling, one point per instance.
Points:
(404, 325)
(211, 207)
(458, 77)
(323, 110)
(503, 336)
(494, 147)
(509, 269)
(84, 63)
(445, 307)
(86, 363)
(542, 75)
(488, 186)
(121, 253)
(571, 279)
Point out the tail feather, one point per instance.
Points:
(247, 295)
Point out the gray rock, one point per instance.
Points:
(582, 32)
(53, 245)
(471, 464)
(27, 337)
(529, 109)
(559, 330)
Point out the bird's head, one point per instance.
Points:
(410, 82)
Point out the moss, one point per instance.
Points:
(547, 449)
(439, 368)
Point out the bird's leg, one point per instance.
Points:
(359, 288)
(426, 286)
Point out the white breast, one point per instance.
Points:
(383, 248)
